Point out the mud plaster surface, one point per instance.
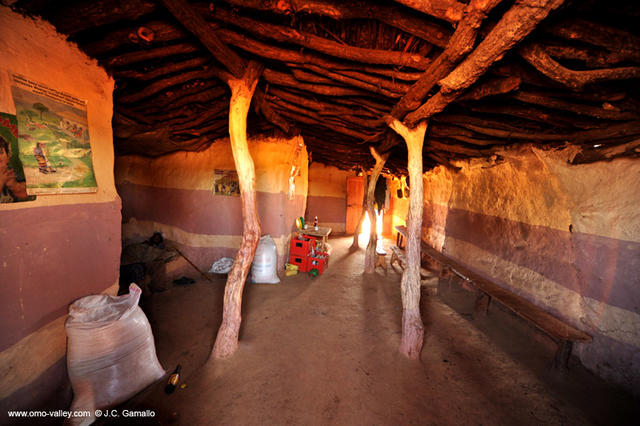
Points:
(324, 351)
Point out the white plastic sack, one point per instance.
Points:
(111, 355)
(263, 269)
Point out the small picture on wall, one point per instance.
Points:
(225, 182)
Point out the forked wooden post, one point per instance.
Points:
(412, 327)
(241, 92)
(370, 254)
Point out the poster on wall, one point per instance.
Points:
(53, 137)
(13, 187)
(225, 182)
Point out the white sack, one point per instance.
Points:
(111, 355)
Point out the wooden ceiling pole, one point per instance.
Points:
(447, 10)
(393, 16)
(242, 83)
(516, 24)
(458, 46)
(370, 254)
(194, 22)
(412, 327)
(536, 55)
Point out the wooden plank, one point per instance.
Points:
(546, 322)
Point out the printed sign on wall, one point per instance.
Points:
(225, 182)
(53, 136)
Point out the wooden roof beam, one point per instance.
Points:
(340, 10)
(536, 55)
(332, 48)
(459, 45)
(194, 22)
(515, 24)
(447, 10)
(621, 43)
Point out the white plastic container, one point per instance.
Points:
(263, 268)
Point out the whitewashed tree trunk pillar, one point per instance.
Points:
(241, 93)
(412, 327)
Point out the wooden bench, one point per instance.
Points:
(398, 256)
(562, 333)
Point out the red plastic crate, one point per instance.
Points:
(301, 247)
(320, 263)
(301, 261)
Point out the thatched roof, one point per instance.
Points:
(485, 74)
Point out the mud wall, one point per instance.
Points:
(398, 206)
(327, 196)
(566, 237)
(173, 194)
(59, 247)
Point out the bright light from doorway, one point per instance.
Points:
(365, 230)
(379, 245)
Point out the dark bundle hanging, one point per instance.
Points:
(380, 193)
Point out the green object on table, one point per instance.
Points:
(314, 273)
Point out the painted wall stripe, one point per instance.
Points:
(601, 268)
(24, 362)
(581, 311)
(328, 209)
(201, 212)
(51, 256)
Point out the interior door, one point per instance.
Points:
(355, 196)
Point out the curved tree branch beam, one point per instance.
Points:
(194, 22)
(319, 44)
(340, 10)
(447, 10)
(516, 23)
(241, 93)
(576, 80)
(575, 108)
(282, 79)
(459, 45)
(623, 45)
(262, 106)
(492, 87)
(412, 327)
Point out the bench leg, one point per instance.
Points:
(482, 303)
(561, 359)
(395, 258)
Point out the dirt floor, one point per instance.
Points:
(324, 351)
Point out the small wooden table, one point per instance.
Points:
(322, 232)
